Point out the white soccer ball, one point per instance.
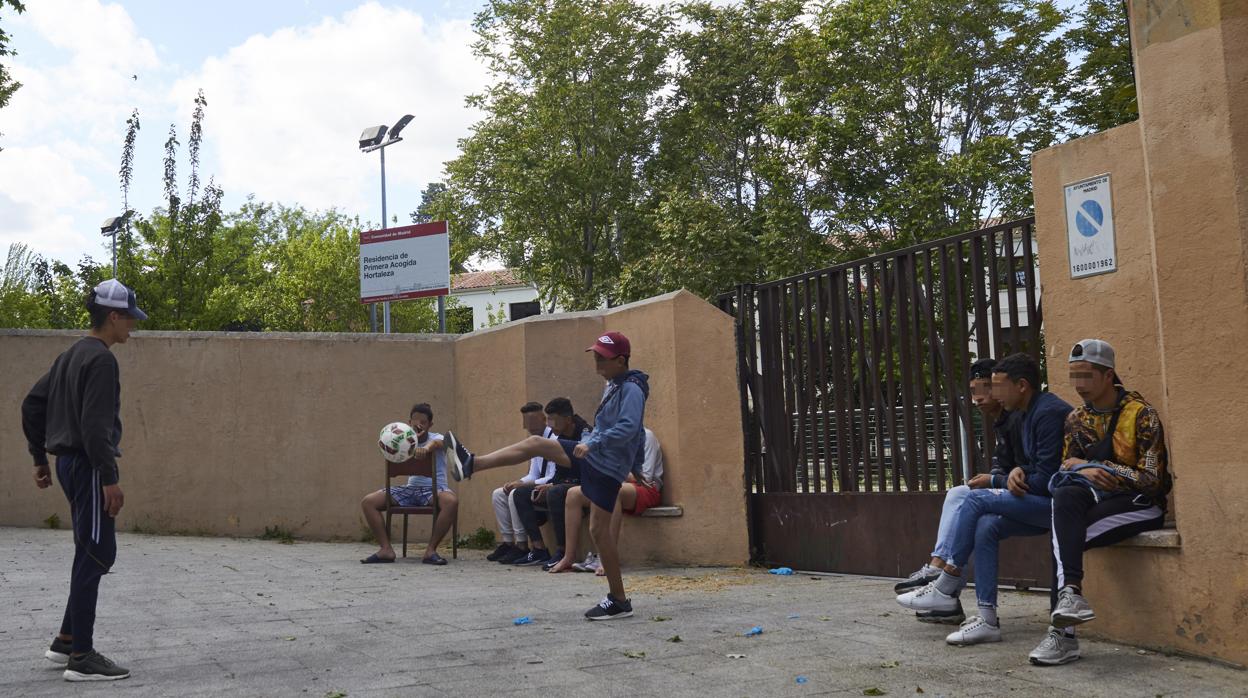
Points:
(397, 442)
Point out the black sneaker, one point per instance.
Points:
(500, 551)
(610, 609)
(460, 459)
(511, 558)
(58, 653)
(554, 560)
(94, 666)
(535, 557)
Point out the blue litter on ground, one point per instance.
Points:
(793, 616)
(802, 679)
(785, 571)
(522, 620)
(756, 630)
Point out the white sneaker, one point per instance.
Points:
(974, 631)
(928, 598)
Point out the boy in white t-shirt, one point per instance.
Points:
(418, 492)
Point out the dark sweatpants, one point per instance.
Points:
(1081, 523)
(533, 515)
(95, 546)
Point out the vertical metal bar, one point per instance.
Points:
(441, 314)
(864, 462)
(1011, 291)
(788, 333)
(811, 385)
(840, 389)
(929, 300)
(994, 295)
(821, 344)
(385, 305)
(983, 331)
(949, 287)
(962, 357)
(1029, 278)
(919, 390)
(901, 272)
(894, 459)
(878, 415)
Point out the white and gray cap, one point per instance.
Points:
(1094, 351)
(114, 294)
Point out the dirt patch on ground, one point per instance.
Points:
(709, 582)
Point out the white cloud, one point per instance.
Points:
(285, 109)
(61, 128)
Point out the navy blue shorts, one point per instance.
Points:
(597, 486)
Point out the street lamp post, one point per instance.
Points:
(375, 138)
(110, 227)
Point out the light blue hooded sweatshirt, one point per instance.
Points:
(619, 432)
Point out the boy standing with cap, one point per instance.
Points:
(1112, 485)
(605, 457)
(73, 412)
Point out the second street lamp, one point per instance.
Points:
(375, 138)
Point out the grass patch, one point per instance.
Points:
(480, 539)
(278, 533)
(53, 522)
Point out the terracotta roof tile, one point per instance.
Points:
(484, 279)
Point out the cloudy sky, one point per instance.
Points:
(290, 84)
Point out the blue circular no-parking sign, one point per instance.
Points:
(1089, 218)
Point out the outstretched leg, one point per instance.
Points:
(464, 462)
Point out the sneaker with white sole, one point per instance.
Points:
(610, 609)
(929, 598)
(58, 653)
(1072, 609)
(924, 576)
(590, 564)
(459, 458)
(1055, 649)
(94, 666)
(975, 631)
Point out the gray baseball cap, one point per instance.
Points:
(1094, 351)
(114, 294)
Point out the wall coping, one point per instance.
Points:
(1161, 538)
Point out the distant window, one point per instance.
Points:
(520, 311)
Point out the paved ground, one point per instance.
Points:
(200, 616)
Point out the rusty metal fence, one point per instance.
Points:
(854, 378)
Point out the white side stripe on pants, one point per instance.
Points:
(95, 508)
(1102, 526)
(1057, 550)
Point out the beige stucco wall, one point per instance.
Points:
(1181, 213)
(227, 434)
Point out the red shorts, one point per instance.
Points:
(647, 497)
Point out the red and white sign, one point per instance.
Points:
(409, 262)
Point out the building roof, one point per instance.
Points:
(477, 280)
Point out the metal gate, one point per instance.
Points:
(856, 405)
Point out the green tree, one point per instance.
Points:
(7, 84)
(20, 305)
(1102, 87)
(549, 178)
(917, 118)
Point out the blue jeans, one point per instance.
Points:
(984, 518)
(948, 516)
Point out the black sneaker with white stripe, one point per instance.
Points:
(459, 458)
(610, 609)
(94, 666)
(58, 653)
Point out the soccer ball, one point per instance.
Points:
(397, 442)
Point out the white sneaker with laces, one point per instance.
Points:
(928, 598)
(587, 566)
(974, 631)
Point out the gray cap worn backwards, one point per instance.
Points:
(1094, 351)
(114, 294)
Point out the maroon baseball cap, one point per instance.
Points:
(611, 345)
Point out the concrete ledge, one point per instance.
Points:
(664, 512)
(1161, 538)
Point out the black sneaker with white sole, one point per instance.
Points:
(58, 653)
(460, 459)
(94, 666)
(534, 557)
(610, 609)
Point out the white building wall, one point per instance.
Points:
(487, 301)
